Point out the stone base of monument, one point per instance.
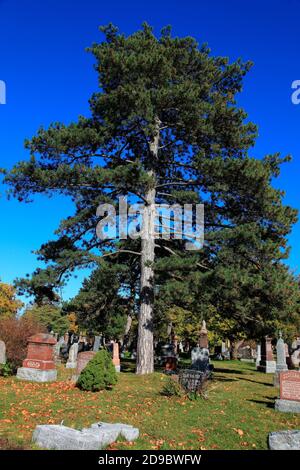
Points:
(36, 375)
(118, 368)
(287, 406)
(96, 437)
(284, 440)
(268, 367)
(71, 365)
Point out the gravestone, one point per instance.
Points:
(284, 440)
(60, 343)
(171, 364)
(2, 352)
(295, 359)
(246, 354)
(267, 363)
(116, 357)
(289, 400)
(39, 364)
(191, 380)
(83, 359)
(200, 359)
(280, 359)
(225, 351)
(97, 343)
(72, 360)
(203, 339)
(258, 355)
(97, 436)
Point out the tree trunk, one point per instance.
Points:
(145, 351)
(234, 349)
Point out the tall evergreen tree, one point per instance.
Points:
(164, 128)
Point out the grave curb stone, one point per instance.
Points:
(126, 430)
(287, 406)
(36, 375)
(96, 437)
(284, 440)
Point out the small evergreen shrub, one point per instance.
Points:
(172, 388)
(6, 369)
(99, 373)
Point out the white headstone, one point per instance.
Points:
(2, 352)
(72, 361)
(258, 354)
(280, 354)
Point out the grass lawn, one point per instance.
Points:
(238, 414)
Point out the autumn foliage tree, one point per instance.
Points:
(9, 304)
(15, 333)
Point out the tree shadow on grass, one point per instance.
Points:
(267, 384)
(218, 378)
(268, 404)
(129, 366)
(229, 371)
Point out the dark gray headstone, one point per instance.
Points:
(97, 343)
(200, 359)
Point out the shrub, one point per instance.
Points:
(172, 388)
(99, 373)
(6, 369)
(15, 333)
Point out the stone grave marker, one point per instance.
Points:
(116, 357)
(82, 359)
(97, 343)
(267, 363)
(72, 360)
(284, 440)
(191, 380)
(2, 352)
(39, 364)
(258, 355)
(200, 359)
(295, 359)
(289, 400)
(280, 359)
(203, 339)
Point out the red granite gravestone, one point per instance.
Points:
(290, 385)
(267, 363)
(39, 364)
(171, 363)
(40, 353)
(289, 400)
(116, 357)
(203, 339)
(82, 360)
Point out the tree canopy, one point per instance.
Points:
(165, 128)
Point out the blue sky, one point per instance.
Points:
(50, 77)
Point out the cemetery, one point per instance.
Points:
(149, 287)
(220, 403)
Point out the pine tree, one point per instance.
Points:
(164, 128)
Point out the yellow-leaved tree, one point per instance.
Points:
(9, 304)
